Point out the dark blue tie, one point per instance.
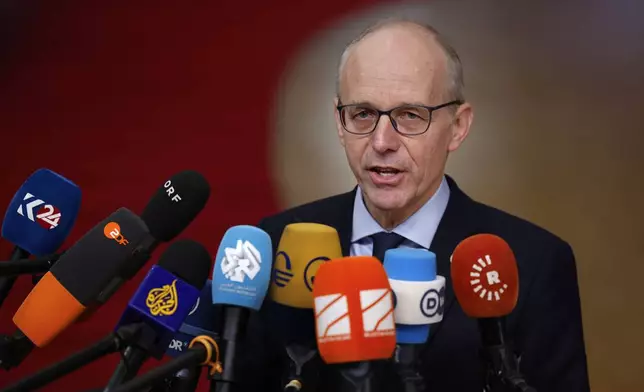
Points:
(384, 241)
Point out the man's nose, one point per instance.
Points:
(384, 137)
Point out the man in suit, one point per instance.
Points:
(400, 112)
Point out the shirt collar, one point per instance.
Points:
(419, 228)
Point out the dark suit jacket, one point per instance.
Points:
(545, 326)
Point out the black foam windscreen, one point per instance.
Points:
(188, 260)
(177, 202)
(100, 256)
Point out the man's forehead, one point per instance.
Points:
(392, 65)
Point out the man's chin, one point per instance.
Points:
(386, 199)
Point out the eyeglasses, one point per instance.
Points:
(361, 119)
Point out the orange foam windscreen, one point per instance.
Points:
(485, 276)
(354, 313)
(47, 310)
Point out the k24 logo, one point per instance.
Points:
(38, 211)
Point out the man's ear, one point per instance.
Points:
(338, 122)
(461, 126)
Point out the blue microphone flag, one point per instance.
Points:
(200, 321)
(42, 212)
(242, 269)
(409, 271)
(162, 302)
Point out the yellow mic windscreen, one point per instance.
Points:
(302, 249)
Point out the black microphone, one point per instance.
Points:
(156, 310)
(486, 283)
(39, 218)
(171, 209)
(60, 297)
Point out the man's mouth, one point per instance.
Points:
(385, 171)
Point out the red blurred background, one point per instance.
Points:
(119, 95)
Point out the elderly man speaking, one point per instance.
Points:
(400, 112)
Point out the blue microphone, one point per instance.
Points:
(161, 304)
(42, 213)
(39, 218)
(240, 280)
(419, 302)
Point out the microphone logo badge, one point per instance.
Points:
(332, 318)
(47, 215)
(241, 262)
(281, 276)
(433, 302)
(311, 269)
(163, 300)
(172, 194)
(486, 281)
(377, 313)
(112, 230)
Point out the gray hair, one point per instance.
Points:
(455, 86)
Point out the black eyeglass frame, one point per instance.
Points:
(387, 113)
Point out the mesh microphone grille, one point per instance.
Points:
(175, 204)
(188, 260)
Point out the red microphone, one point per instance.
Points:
(354, 316)
(486, 283)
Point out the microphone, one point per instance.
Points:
(152, 316)
(354, 317)
(419, 302)
(60, 297)
(200, 322)
(175, 204)
(302, 249)
(240, 281)
(39, 217)
(486, 285)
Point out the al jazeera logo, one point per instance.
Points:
(163, 301)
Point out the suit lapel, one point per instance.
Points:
(456, 224)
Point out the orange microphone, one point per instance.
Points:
(354, 316)
(486, 283)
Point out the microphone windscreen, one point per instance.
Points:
(176, 204)
(354, 315)
(242, 267)
(302, 249)
(188, 260)
(164, 299)
(485, 276)
(419, 294)
(202, 319)
(42, 212)
(84, 272)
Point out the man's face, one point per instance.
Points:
(387, 69)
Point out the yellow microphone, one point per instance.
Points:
(303, 248)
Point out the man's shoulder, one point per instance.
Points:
(519, 232)
(318, 211)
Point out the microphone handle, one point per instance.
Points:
(6, 283)
(185, 380)
(105, 346)
(14, 349)
(25, 266)
(192, 357)
(128, 367)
